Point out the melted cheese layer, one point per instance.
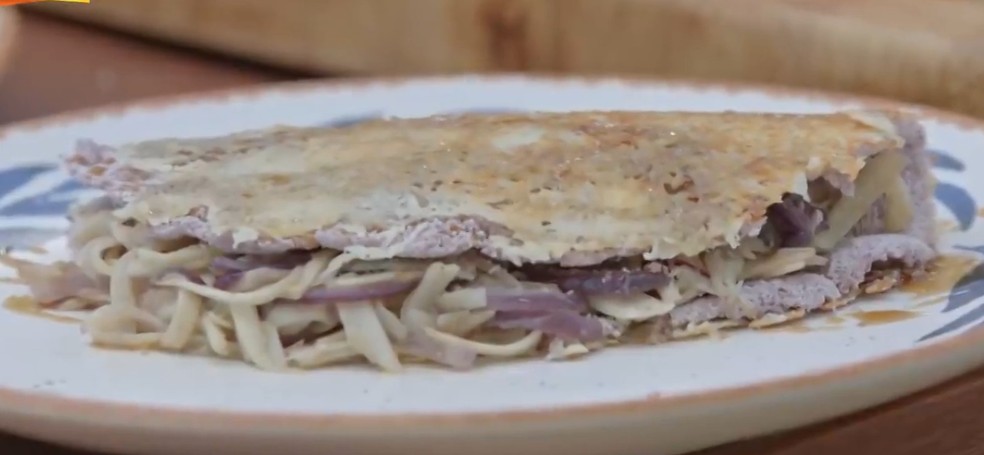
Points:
(542, 185)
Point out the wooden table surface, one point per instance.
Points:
(58, 66)
(81, 67)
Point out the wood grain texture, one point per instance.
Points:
(9, 25)
(84, 68)
(944, 420)
(929, 52)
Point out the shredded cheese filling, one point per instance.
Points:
(898, 207)
(152, 301)
(876, 178)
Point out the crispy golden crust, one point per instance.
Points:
(533, 187)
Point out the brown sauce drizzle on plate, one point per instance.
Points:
(880, 317)
(940, 278)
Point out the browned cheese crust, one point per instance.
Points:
(573, 188)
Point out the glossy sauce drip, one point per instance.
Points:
(810, 323)
(940, 278)
(880, 317)
(27, 306)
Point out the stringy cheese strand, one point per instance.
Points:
(252, 338)
(366, 335)
(257, 297)
(516, 348)
(182, 326)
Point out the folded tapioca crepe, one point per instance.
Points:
(448, 238)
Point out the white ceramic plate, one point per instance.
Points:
(657, 399)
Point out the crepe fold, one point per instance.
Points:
(576, 229)
(572, 188)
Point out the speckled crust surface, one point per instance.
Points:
(574, 188)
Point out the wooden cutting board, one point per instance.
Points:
(923, 51)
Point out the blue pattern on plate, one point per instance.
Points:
(970, 317)
(55, 201)
(350, 120)
(959, 201)
(26, 237)
(52, 203)
(16, 177)
(970, 287)
(943, 160)
(967, 289)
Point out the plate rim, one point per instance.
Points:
(27, 403)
